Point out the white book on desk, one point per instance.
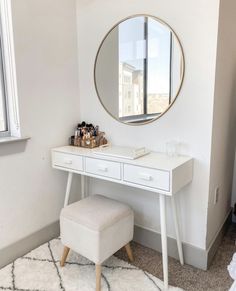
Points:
(129, 153)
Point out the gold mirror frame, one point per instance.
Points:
(182, 68)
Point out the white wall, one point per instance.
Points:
(46, 61)
(224, 131)
(189, 120)
(31, 192)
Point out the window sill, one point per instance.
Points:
(12, 139)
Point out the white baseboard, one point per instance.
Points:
(194, 256)
(27, 244)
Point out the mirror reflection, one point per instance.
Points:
(139, 70)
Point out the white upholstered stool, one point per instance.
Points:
(96, 227)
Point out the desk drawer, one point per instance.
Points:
(147, 177)
(103, 168)
(72, 162)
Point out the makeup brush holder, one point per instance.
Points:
(88, 136)
(91, 142)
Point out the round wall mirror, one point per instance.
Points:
(139, 69)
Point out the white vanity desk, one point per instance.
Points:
(154, 172)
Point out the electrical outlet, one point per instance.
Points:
(217, 193)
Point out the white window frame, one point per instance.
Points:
(9, 67)
(4, 95)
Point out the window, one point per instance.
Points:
(4, 127)
(145, 56)
(9, 116)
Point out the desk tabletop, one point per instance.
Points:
(152, 160)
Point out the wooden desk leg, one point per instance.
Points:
(164, 239)
(68, 188)
(179, 242)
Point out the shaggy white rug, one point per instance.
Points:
(39, 270)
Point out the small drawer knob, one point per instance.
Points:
(102, 168)
(145, 177)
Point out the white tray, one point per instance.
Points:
(122, 152)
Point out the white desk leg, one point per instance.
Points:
(83, 186)
(68, 187)
(179, 243)
(164, 239)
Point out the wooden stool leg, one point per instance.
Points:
(98, 277)
(64, 256)
(129, 252)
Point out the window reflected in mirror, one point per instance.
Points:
(139, 70)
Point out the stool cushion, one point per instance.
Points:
(96, 227)
(96, 212)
